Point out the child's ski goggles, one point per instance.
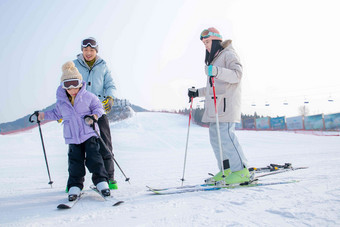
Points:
(206, 34)
(89, 42)
(71, 83)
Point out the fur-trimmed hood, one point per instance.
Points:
(226, 43)
(227, 46)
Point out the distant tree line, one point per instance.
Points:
(197, 115)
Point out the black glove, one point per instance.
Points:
(107, 104)
(192, 93)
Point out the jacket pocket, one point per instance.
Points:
(67, 130)
(221, 103)
(88, 129)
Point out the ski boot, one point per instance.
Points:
(73, 193)
(218, 177)
(113, 184)
(238, 177)
(103, 188)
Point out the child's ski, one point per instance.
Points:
(114, 201)
(70, 204)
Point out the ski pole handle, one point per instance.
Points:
(90, 120)
(192, 93)
(92, 117)
(36, 113)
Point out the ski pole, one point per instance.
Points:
(186, 146)
(102, 141)
(217, 124)
(36, 113)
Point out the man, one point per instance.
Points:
(99, 81)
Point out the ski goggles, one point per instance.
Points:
(71, 83)
(89, 42)
(206, 34)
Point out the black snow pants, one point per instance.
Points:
(86, 153)
(105, 134)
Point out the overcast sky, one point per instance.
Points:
(289, 50)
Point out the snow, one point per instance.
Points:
(150, 149)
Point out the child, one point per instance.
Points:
(73, 103)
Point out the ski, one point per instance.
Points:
(192, 186)
(254, 174)
(70, 204)
(111, 199)
(197, 188)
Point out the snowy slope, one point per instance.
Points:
(150, 149)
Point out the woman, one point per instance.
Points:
(223, 68)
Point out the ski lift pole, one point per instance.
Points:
(36, 113)
(103, 143)
(186, 146)
(217, 126)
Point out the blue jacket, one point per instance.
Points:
(76, 131)
(98, 79)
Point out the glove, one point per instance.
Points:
(41, 116)
(211, 70)
(192, 93)
(107, 104)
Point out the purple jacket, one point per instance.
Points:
(85, 103)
